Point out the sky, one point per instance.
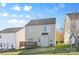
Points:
(19, 14)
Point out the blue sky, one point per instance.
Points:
(19, 14)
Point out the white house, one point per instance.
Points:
(11, 38)
(41, 31)
(71, 28)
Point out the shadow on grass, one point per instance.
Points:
(42, 51)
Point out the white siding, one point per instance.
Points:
(20, 36)
(67, 30)
(8, 39)
(36, 33)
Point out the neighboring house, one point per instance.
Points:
(11, 38)
(41, 31)
(71, 28)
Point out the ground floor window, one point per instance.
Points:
(50, 40)
(0, 44)
(39, 39)
(30, 39)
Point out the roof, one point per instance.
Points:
(42, 21)
(10, 30)
(73, 16)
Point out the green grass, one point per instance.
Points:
(40, 51)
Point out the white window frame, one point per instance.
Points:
(47, 28)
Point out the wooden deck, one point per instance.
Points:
(28, 44)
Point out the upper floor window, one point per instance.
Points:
(29, 30)
(46, 28)
(0, 37)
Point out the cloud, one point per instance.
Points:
(27, 8)
(16, 8)
(28, 16)
(61, 5)
(0, 14)
(14, 16)
(16, 22)
(50, 10)
(5, 14)
(56, 8)
(20, 15)
(3, 4)
(39, 15)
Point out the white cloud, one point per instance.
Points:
(56, 8)
(16, 8)
(16, 22)
(50, 10)
(5, 14)
(28, 16)
(39, 15)
(20, 15)
(3, 4)
(27, 8)
(0, 14)
(14, 15)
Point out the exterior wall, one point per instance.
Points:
(72, 40)
(20, 36)
(35, 32)
(71, 25)
(7, 40)
(67, 30)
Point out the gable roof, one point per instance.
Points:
(72, 36)
(42, 21)
(73, 16)
(10, 30)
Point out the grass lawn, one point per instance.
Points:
(39, 51)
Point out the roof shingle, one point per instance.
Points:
(10, 30)
(42, 21)
(73, 16)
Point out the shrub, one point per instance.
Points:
(62, 46)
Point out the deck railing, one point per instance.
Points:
(28, 44)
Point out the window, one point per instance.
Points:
(4, 45)
(0, 37)
(0, 44)
(30, 39)
(46, 28)
(74, 25)
(30, 30)
(39, 39)
(50, 40)
(11, 46)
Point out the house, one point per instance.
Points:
(11, 38)
(71, 34)
(41, 31)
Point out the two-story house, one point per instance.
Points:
(11, 37)
(41, 31)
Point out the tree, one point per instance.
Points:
(59, 37)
